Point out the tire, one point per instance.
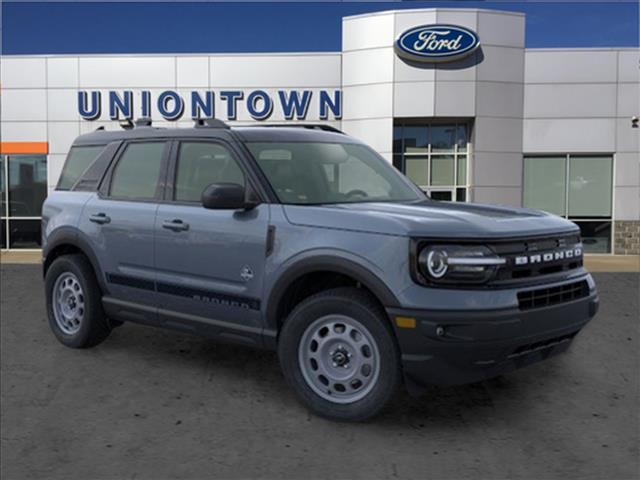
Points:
(345, 324)
(78, 319)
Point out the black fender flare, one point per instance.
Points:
(327, 263)
(73, 237)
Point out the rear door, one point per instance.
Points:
(210, 263)
(120, 222)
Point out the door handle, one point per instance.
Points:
(176, 225)
(100, 218)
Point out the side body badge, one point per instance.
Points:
(246, 273)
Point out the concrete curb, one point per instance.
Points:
(594, 263)
(16, 256)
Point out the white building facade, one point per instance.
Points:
(544, 128)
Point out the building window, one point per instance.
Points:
(577, 187)
(434, 156)
(23, 182)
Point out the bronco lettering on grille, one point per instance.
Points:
(548, 256)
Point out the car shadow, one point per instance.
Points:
(184, 353)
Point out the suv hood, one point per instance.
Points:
(430, 219)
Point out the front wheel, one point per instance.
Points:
(337, 351)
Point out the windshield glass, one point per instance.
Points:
(317, 173)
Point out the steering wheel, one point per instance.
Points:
(358, 192)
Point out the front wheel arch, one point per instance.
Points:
(330, 264)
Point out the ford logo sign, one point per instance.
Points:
(436, 43)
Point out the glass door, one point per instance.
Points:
(4, 242)
(435, 156)
(23, 184)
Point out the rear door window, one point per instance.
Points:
(79, 159)
(137, 173)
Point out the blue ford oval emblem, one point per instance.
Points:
(436, 43)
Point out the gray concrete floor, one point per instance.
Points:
(151, 404)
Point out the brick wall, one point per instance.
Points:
(627, 237)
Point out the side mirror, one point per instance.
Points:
(227, 196)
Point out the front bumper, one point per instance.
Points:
(457, 347)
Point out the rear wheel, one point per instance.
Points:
(337, 351)
(74, 303)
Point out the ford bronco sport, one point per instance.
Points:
(305, 241)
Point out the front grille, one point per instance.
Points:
(551, 246)
(541, 345)
(544, 297)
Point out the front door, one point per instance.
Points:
(209, 263)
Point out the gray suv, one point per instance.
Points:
(305, 241)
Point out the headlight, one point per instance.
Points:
(456, 264)
(436, 262)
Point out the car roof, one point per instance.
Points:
(262, 133)
(291, 134)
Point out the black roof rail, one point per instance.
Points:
(311, 126)
(210, 123)
(126, 124)
(143, 122)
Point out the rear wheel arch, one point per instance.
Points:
(66, 242)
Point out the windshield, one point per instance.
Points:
(320, 173)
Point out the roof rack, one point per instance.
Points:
(126, 124)
(210, 123)
(143, 122)
(310, 126)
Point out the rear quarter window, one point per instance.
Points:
(79, 159)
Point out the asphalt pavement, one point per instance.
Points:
(153, 404)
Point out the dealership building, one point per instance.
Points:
(487, 121)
